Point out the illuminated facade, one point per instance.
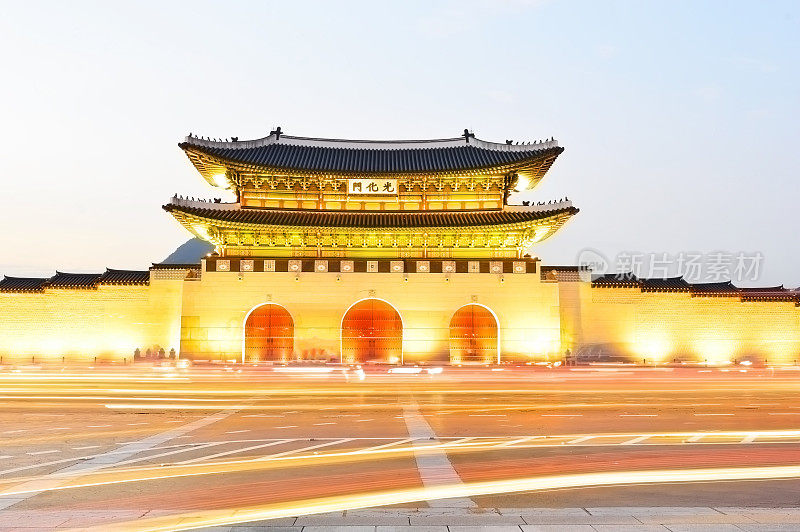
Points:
(386, 252)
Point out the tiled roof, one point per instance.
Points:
(665, 285)
(626, 279)
(370, 219)
(769, 293)
(125, 277)
(722, 288)
(74, 280)
(678, 284)
(346, 156)
(23, 284)
(173, 266)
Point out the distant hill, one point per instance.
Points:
(190, 252)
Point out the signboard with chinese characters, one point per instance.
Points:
(372, 187)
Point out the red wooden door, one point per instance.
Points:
(372, 331)
(473, 335)
(269, 335)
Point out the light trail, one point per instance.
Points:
(471, 489)
(294, 458)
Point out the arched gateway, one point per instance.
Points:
(268, 334)
(473, 335)
(372, 331)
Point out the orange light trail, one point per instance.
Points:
(212, 518)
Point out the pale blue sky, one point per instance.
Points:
(681, 120)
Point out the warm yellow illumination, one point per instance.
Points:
(220, 180)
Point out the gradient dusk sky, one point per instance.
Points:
(681, 120)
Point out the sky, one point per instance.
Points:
(680, 120)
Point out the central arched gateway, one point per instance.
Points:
(268, 334)
(372, 331)
(473, 335)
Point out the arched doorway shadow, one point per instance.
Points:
(268, 334)
(474, 336)
(372, 331)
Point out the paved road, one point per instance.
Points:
(153, 447)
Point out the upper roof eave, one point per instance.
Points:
(307, 156)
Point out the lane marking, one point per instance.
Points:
(326, 423)
(783, 413)
(35, 453)
(562, 415)
(287, 427)
(300, 450)
(390, 444)
(634, 441)
(237, 431)
(581, 439)
(434, 466)
(518, 440)
(235, 451)
(695, 438)
(750, 438)
(638, 415)
(183, 449)
(105, 460)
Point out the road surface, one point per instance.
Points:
(162, 448)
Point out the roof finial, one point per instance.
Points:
(277, 132)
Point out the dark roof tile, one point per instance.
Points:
(125, 277)
(329, 155)
(23, 284)
(720, 288)
(769, 293)
(626, 279)
(665, 285)
(74, 280)
(173, 266)
(386, 219)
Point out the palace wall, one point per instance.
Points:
(216, 306)
(539, 318)
(663, 326)
(106, 322)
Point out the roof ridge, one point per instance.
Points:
(364, 144)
